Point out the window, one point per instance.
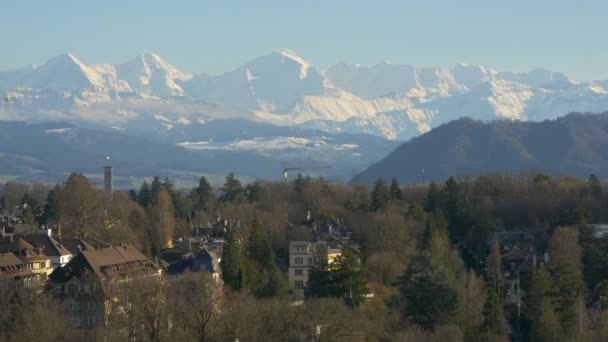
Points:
(91, 306)
(299, 283)
(310, 261)
(299, 260)
(74, 321)
(59, 289)
(299, 271)
(86, 288)
(73, 289)
(74, 305)
(91, 321)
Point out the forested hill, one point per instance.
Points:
(576, 144)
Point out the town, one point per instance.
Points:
(488, 258)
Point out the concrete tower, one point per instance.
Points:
(107, 178)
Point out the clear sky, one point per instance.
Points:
(217, 36)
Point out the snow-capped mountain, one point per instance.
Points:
(394, 101)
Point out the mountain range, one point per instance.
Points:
(576, 144)
(279, 108)
(393, 101)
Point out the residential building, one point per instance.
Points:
(50, 247)
(206, 260)
(38, 263)
(96, 278)
(518, 255)
(303, 256)
(13, 269)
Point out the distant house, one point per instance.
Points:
(206, 261)
(15, 270)
(74, 245)
(50, 247)
(93, 277)
(304, 256)
(33, 258)
(518, 255)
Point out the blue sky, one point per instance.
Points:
(217, 36)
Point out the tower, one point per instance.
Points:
(107, 179)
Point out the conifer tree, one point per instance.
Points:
(232, 188)
(395, 190)
(546, 327)
(231, 262)
(428, 291)
(380, 195)
(144, 197)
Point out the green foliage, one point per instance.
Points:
(202, 195)
(492, 313)
(538, 292)
(232, 189)
(270, 281)
(395, 190)
(380, 195)
(546, 327)
(428, 292)
(145, 195)
(341, 279)
(568, 284)
(232, 274)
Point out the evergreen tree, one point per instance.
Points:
(155, 188)
(144, 197)
(455, 209)
(341, 279)
(539, 290)
(568, 283)
(492, 312)
(232, 188)
(434, 198)
(133, 195)
(380, 195)
(428, 291)
(52, 206)
(270, 282)
(231, 262)
(435, 223)
(202, 194)
(395, 190)
(253, 192)
(547, 326)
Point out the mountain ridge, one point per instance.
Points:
(575, 144)
(395, 101)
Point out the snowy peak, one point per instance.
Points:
(304, 65)
(472, 75)
(64, 72)
(538, 77)
(149, 74)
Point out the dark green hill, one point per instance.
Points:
(576, 144)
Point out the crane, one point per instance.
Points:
(287, 169)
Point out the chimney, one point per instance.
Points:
(79, 248)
